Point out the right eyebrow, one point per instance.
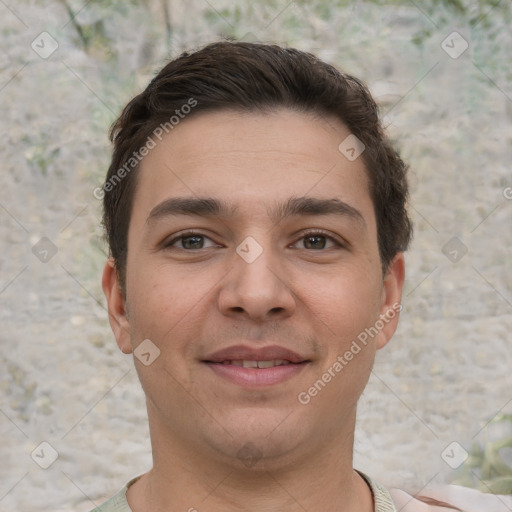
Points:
(206, 207)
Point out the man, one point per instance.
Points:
(255, 213)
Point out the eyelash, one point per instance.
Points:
(312, 232)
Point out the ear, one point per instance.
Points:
(116, 306)
(391, 297)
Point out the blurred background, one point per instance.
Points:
(438, 407)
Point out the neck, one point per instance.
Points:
(194, 477)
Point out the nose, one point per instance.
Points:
(257, 287)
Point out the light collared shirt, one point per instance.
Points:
(381, 498)
(395, 500)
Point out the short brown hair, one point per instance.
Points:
(254, 77)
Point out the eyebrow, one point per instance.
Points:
(210, 207)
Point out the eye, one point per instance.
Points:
(318, 240)
(193, 241)
(190, 241)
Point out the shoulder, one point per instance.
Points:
(459, 498)
(118, 502)
(439, 499)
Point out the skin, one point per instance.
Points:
(299, 293)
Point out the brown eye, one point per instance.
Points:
(192, 242)
(314, 242)
(318, 241)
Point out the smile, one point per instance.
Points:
(252, 374)
(257, 364)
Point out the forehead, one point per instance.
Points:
(252, 161)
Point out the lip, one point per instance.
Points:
(243, 352)
(256, 377)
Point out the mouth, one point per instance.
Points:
(252, 368)
(246, 363)
(254, 374)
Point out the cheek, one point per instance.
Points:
(165, 304)
(154, 304)
(345, 302)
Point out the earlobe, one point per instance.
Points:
(391, 299)
(116, 306)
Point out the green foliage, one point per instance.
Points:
(485, 468)
(474, 11)
(41, 153)
(92, 35)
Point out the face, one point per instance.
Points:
(253, 242)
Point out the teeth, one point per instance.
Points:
(258, 364)
(267, 364)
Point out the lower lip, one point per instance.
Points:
(254, 377)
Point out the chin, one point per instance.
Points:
(260, 440)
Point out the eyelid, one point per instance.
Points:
(309, 232)
(327, 234)
(168, 242)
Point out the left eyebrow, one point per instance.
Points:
(210, 207)
(315, 206)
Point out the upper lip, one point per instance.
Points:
(244, 353)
